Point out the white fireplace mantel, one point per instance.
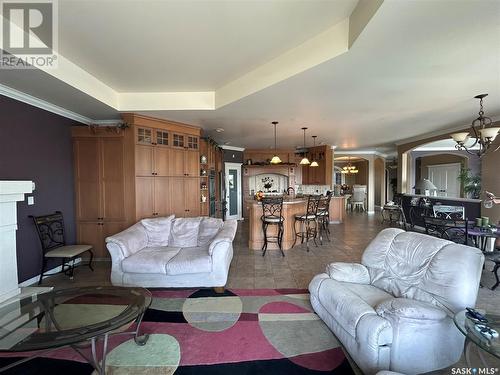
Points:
(11, 192)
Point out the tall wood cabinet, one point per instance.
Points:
(103, 180)
(151, 168)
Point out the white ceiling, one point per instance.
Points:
(151, 46)
(414, 69)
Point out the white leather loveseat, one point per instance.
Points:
(173, 252)
(394, 311)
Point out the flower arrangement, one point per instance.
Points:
(259, 195)
(268, 182)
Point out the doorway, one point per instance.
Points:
(233, 191)
(445, 178)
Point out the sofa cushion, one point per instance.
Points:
(373, 296)
(190, 260)
(131, 240)
(150, 260)
(184, 232)
(158, 230)
(209, 227)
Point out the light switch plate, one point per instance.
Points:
(31, 200)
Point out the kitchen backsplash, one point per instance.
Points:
(312, 189)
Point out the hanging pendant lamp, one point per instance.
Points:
(276, 159)
(305, 160)
(314, 162)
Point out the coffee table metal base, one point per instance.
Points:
(98, 364)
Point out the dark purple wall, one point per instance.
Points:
(36, 145)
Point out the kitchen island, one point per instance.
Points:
(291, 207)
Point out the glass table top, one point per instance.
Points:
(68, 316)
(466, 326)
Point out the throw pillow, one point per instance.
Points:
(185, 232)
(158, 230)
(209, 227)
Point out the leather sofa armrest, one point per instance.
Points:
(226, 234)
(348, 272)
(410, 309)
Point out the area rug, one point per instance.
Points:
(242, 331)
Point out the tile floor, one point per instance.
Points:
(249, 269)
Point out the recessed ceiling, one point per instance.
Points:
(411, 67)
(153, 46)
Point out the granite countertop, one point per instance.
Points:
(286, 200)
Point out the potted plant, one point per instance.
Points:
(471, 184)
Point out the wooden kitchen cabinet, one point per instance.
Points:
(322, 174)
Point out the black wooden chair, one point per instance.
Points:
(308, 222)
(448, 229)
(50, 229)
(323, 216)
(272, 214)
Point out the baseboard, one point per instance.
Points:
(50, 272)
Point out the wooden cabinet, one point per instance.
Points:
(167, 167)
(87, 186)
(183, 203)
(322, 174)
(102, 186)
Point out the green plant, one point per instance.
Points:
(471, 184)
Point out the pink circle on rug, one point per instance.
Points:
(327, 360)
(282, 308)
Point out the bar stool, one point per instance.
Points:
(306, 220)
(272, 209)
(324, 216)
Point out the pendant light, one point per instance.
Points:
(276, 159)
(305, 160)
(314, 162)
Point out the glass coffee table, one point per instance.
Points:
(76, 317)
(473, 337)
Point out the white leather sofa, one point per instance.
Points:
(173, 252)
(394, 311)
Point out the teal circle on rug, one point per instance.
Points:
(212, 314)
(161, 354)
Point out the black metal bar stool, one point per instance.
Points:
(324, 216)
(272, 209)
(308, 222)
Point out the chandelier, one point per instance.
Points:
(276, 159)
(349, 168)
(482, 131)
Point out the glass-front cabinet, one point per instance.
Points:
(178, 140)
(162, 138)
(144, 136)
(192, 142)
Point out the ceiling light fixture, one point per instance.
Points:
(305, 160)
(276, 159)
(314, 162)
(482, 130)
(349, 168)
